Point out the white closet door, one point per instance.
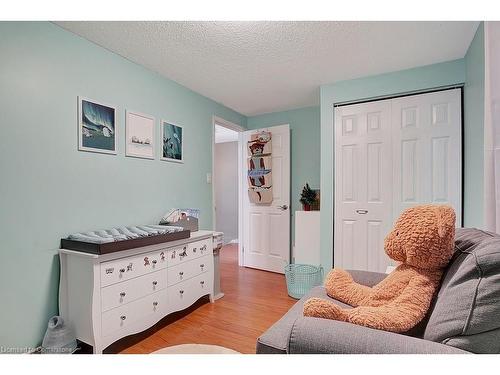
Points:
(363, 189)
(427, 150)
(390, 155)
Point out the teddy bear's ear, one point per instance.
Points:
(445, 216)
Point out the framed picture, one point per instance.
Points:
(96, 126)
(172, 142)
(139, 137)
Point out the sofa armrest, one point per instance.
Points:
(317, 336)
(367, 278)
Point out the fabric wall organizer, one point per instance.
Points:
(260, 183)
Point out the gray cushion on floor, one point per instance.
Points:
(466, 314)
(275, 339)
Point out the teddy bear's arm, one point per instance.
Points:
(340, 285)
(402, 313)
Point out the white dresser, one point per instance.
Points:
(107, 297)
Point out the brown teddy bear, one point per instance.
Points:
(422, 241)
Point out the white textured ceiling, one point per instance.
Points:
(223, 135)
(260, 67)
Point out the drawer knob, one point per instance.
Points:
(155, 304)
(202, 282)
(194, 250)
(122, 270)
(202, 265)
(155, 283)
(181, 273)
(155, 261)
(123, 317)
(181, 292)
(122, 294)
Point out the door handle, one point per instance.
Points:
(283, 207)
(362, 212)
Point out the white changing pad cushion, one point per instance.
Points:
(123, 233)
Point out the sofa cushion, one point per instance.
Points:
(275, 339)
(466, 311)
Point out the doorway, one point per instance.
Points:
(225, 179)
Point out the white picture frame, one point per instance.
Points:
(171, 142)
(139, 135)
(97, 126)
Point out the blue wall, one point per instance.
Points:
(48, 189)
(443, 74)
(305, 154)
(474, 132)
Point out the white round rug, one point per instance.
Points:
(195, 349)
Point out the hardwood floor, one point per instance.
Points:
(253, 301)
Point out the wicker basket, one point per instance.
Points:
(300, 278)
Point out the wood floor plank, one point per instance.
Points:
(253, 301)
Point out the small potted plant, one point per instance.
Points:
(307, 197)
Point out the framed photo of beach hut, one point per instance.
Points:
(139, 135)
(96, 126)
(172, 142)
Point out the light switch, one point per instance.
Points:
(209, 178)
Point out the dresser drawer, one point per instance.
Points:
(127, 268)
(189, 251)
(184, 294)
(177, 255)
(120, 317)
(200, 248)
(127, 291)
(187, 270)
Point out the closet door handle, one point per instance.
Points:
(362, 212)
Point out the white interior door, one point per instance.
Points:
(363, 168)
(389, 155)
(266, 227)
(427, 144)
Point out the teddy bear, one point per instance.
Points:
(422, 241)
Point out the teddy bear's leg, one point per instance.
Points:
(320, 308)
(390, 318)
(340, 285)
(402, 313)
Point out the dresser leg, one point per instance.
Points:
(97, 349)
(211, 296)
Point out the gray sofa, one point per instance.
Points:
(464, 316)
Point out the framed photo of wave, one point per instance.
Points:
(96, 126)
(140, 133)
(172, 142)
